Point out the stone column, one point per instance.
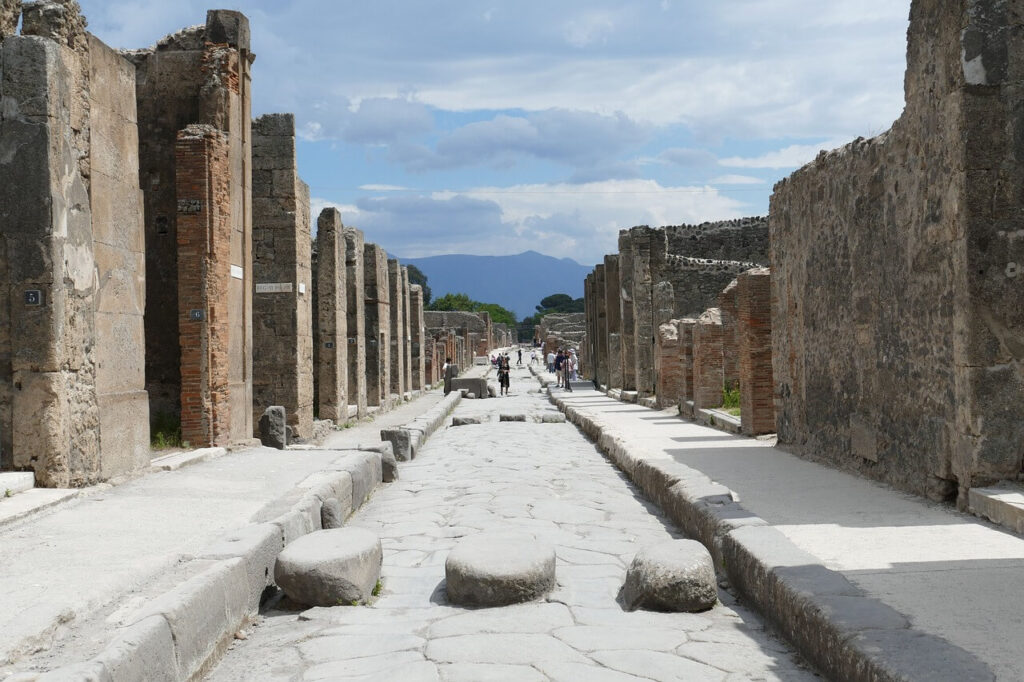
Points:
(332, 320)
(707, 359)
(406, 331)
(686, 326)
(355, 314)
(204, 275)
(396, 379)
(282, 275)
(628, 334)
(612, 292)
(419, 347)
(757, 386)
(645, 258)
(727, 303)
(668, 365)
(601, 328)
(378, 326)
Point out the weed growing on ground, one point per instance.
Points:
(730, 397)
(165, 431)
(377, 588)
(8, 493)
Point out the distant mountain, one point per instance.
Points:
(515, 282)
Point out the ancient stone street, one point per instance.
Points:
(543, 479)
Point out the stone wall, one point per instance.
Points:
(282, 277)
(72, 402)
(745, 239)
(898, 332)
(331, 339)
(200, 75)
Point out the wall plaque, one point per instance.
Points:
(274, 288)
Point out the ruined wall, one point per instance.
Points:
(451, 319)
(745, 239)
(728, 303)
(282, 277)
(697, 282)
(200, 75)
(648, 250)
(355, 313)
(331, 342)
(377, 299)
(898, 332)
(754, 333)
(72, 403)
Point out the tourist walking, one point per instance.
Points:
(568, 367)
(519, 361)
(504, 370)
(551, 362)
(559, 362)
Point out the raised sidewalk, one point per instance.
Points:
(91, 570)
(869, 583)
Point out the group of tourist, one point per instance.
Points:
(565, 366)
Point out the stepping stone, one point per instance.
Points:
(512, 418)
(552, 418)
(466, 421)
(493, 569)
(273, 428)
(677, 575)
(330, 567)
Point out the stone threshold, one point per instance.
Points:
(1002, 504)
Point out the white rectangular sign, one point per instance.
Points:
(238, 272)
(274, 288)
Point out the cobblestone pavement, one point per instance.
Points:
(541, 478)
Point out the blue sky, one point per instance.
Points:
(444, 126)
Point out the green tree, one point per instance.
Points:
(498, 313)
(416, 276)
(454, 302)
(556, 301)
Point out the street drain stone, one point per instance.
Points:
(678, 575)
(330, 567)
(512, 417)
(495, 570)
(466, 421)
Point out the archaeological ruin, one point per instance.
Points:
(161, 262)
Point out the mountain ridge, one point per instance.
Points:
(536, 275)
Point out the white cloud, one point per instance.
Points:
(589, 29)
(736, 180)
(383, 188)
(793, 156)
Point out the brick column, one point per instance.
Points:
(686, 326)
(332, 311)
(418, 345)
(757, 386)
(378, 326)
(355, 314)
(396, 379)
(707, 359)
(728, 304)
(204, 273)
(282, 277)
(668, 366)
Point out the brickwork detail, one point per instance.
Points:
(707, 360)
(686, 326)
(728, 304)
(204, 272)
(757, 386)
(668, 367)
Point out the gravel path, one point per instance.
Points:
(545, 479)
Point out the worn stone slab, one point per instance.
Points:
(1002, 504)
(330, 567)
(673, 576)
(467, 421)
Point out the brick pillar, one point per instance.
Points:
(612, 292)
(648, 254)
(728, 303)
(355, 314)
(396, 379)
(686, 326)
(757, 386)
(282, 277)
(332, 321)
(707, 359)
(378, 326)
(407, 330)
(668, 365)
(418, 344)
(204, 273)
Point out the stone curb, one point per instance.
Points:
(846, 634)
(406, 440)
(181, 634)
(178, 460)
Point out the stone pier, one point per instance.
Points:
(686, 326)
(668, 367)
(355, 313)
(378, 326)
(406, 343)
(707, 360)
(627, 338)
(754, 318)
(611, 304)
(728, 305)
(282, 299)
(331, 365)
(396, 380)
(418, 345)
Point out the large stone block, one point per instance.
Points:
(496, 570)
(124, 432)
(678, 575)
(330, 567)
